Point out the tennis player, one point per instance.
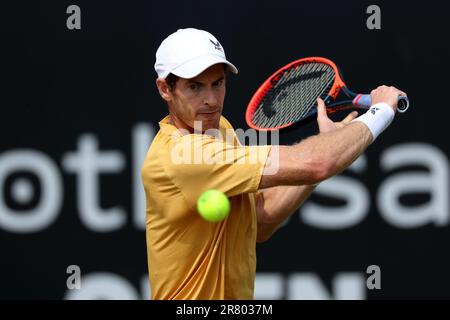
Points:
(188, 257)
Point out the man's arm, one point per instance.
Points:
(276, 204)
(322, 156)
(311, 161)
(316, 158)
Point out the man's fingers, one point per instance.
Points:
(321, 110)
(350, 117)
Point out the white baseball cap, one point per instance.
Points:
(188, 52)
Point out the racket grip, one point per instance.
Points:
(365, 101)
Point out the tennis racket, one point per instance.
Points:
(288, 97)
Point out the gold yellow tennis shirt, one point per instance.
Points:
(188, 257)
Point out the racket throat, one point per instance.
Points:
(348, 92)
(328, 99)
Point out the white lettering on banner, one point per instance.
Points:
(22, 191)
(436, 182)
(89, 163)
(269, 286)
(273, 286)
(47, 209)
(308, 286)
(142, 137)
(344, 188)
(103, 286)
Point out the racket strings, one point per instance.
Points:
(293, 97)
(296, 113)
(307, 95)
(296, 101)
(279, 93)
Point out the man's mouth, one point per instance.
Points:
(209, 112)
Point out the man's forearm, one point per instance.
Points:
(316, 158)
(276, 204)
(328, 154)
(338, 149)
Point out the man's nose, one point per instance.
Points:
(210, 98)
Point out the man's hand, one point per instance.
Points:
(325, 123)
(386, 94)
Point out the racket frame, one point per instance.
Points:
(338, 86)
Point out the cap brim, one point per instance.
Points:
(194, 67)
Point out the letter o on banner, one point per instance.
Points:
(48, 207)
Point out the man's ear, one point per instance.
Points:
(164, 89)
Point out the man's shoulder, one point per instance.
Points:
(224, 123)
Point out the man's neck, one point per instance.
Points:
(179, 124)
(183, 127)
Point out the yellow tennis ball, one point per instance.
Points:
(213, 205)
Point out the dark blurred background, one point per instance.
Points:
(79, 108)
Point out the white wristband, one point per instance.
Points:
(377, 118)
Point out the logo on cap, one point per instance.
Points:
(216, 45)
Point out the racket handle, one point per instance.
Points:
(364, 101)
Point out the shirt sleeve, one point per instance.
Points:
(200, 162)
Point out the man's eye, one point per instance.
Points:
(193, 86)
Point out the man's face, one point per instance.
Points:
(199, 99)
